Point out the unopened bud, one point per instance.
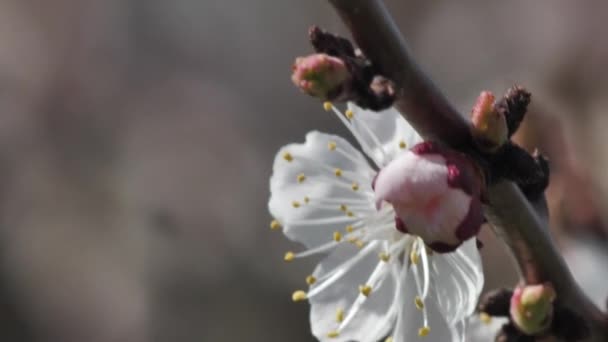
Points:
(489, 125)
(320, 75)
(532, 308)
(435, 192)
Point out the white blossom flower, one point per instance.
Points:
(376, 281)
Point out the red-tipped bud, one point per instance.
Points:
(532, 308)
(435, 192)
(489, 125)
(320, 75)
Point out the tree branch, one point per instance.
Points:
(422, 104)
(429, 112)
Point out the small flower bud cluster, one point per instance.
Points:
(532, 308)
(320, 75)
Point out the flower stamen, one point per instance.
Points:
(289, 256)
(385, 257)
(349, 114)
(414, 258)
(365, 290)
(299, 296)
(333, 334)
(419, 303)
(366, 148)
(275, 225)
(424, 331)
(311, 280)
(340, 315)
(288, 157)
(485, 318)
(337, 236)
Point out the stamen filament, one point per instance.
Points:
(330, 277)
(356, 134)
(320, 249)
(373, 281)
(425, 269)
(374, 138)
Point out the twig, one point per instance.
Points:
(424, 106)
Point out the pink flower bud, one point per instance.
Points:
(489, 126)
(532, 308)
(435, 192)
(319, 75)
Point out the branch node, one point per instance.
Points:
(365, 86)
(514, 105)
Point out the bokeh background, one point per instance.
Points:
(137, 138)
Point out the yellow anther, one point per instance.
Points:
(350, 213)
(414, 258)
(338, 172)
(295, 204)
(327, 106)
(275, 225)
(389, 339)
(340, 315)
(359, 244)
(301, 178)
(287, 156)
(299, 296)
(310, 280)
(333, 334)
(337, 236)
(402, 144)
(419, 303)
(331, 145)
(349, 229)
(424, 331)
(306, 199)
(355, 186)
(343, 208)
(289, 256)
(349, 114)
(352, 240)
(365, 290)
(384, 256)
(485, 318)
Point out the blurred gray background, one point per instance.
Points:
(137, 137)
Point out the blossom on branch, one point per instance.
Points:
(381, 277)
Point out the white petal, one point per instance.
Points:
(454, 207)
(457, 280)
(478, 331)
(411, 179)
(410, 319)
(585, 258)
(313, 223)
(374, 318)
(389, 128)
